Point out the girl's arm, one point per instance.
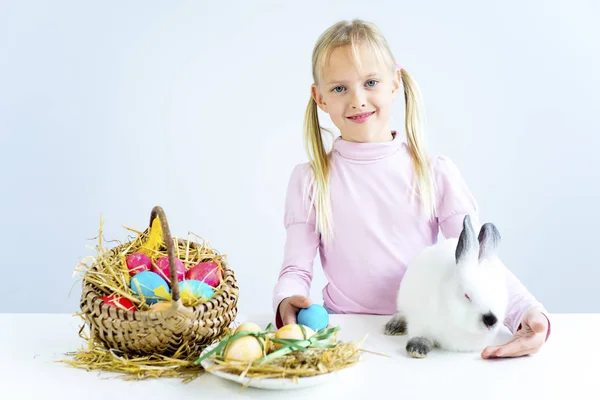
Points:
(455, 200)
(301, 242)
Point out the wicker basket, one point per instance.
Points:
(179, 330)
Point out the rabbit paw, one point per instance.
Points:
(419, 347)
(395, 326)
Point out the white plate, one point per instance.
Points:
(273, 383)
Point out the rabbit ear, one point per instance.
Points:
(466, 241)
(489, 239)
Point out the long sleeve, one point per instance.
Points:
(520, 300)
(455, 200)
(302, 241)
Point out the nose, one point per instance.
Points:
(489, 319)
(358, 99)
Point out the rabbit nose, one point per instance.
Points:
(489, 319)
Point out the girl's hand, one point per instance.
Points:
(527, 340)
(289, 307)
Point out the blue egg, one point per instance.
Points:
(195, 288)
(315, 317)
(148, 282)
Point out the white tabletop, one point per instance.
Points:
(567, 367)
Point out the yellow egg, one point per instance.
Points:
(292, 331)
(252, 327)
(246, 348)
(248, 326)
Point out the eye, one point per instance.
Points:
(467, 297)
(371, 82)
(337, 89)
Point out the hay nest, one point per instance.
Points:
(316, 354)
(151, 337)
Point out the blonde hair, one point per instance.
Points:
(354, 33)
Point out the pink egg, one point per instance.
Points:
(138, 262)
(162, 268)
(207, 272)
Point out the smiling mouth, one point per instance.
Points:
(360, 118)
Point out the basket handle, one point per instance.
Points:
(158, 211)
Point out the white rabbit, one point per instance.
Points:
(453, 295)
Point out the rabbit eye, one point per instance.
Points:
(467, 297)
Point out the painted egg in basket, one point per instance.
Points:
(193, 289)
(148, 282)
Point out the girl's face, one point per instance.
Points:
(359, 102)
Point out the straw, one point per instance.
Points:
(146, 343)
(113, 276)
(296, 358)
(95, 357)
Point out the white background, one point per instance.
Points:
(114, 107)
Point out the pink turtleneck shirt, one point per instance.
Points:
(376, 228)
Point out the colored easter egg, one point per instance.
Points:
(119, 302)
(246, 348)
(148, 282)
(191, 290)
(207, 271)
(293, 331)
(162, 268)
(248, 326)
(138, 262)
(316, 317)
(252, 327)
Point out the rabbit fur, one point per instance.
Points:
(453, 295)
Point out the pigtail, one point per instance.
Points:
(415, 138)
(320, 164)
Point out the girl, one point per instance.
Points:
(374, 201)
